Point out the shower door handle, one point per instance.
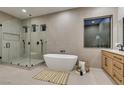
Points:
(9, 45)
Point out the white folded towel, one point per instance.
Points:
(82, 66)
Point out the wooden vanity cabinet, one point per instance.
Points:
(107, 64)
(113, 64)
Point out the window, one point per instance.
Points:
(97, 32)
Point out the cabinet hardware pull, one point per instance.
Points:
(117, 78)
(106, 62)
(117, 67)
(117, 58)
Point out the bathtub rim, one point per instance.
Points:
(60, 56)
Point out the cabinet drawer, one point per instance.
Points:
(118, 58)
(117, 77)
(118, 67)
(107, 54)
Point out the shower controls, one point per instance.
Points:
(24, 43)
(37, 42)
(41, 42)
(29, 43)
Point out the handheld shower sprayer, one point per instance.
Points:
(41, 41)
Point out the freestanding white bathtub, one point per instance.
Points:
(61, 62)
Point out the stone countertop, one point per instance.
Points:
(114, 51)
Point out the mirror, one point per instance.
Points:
(120, 25)
(123, 31)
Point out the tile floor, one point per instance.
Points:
(27, 61)
(10, 75)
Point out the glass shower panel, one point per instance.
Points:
(25, 46)
(15, 43)
(38, 40)
(11, 41)
(10, 48)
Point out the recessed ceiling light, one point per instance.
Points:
(24, 11)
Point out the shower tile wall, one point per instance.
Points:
(11, 37)
(37, 50)
(11, 49)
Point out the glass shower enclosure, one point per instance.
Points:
(22, 44)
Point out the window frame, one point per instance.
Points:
(111, 34)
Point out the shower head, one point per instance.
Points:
(23, 41)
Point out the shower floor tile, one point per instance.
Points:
(27, 62)
(10, 75)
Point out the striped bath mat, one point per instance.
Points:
(57, 77)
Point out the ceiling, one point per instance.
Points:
(34, 11)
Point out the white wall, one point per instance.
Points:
(65, 31)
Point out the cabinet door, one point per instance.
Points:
(104, 62)
(109, 66)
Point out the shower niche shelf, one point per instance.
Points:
(11, 36)
(11, 33)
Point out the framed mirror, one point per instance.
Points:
(123, 31)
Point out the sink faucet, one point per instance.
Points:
(62, 51)
(120, 47)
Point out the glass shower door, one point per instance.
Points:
(10, 47)
(15, 44)
(25, 47)
(38, 44)
(10, 36)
